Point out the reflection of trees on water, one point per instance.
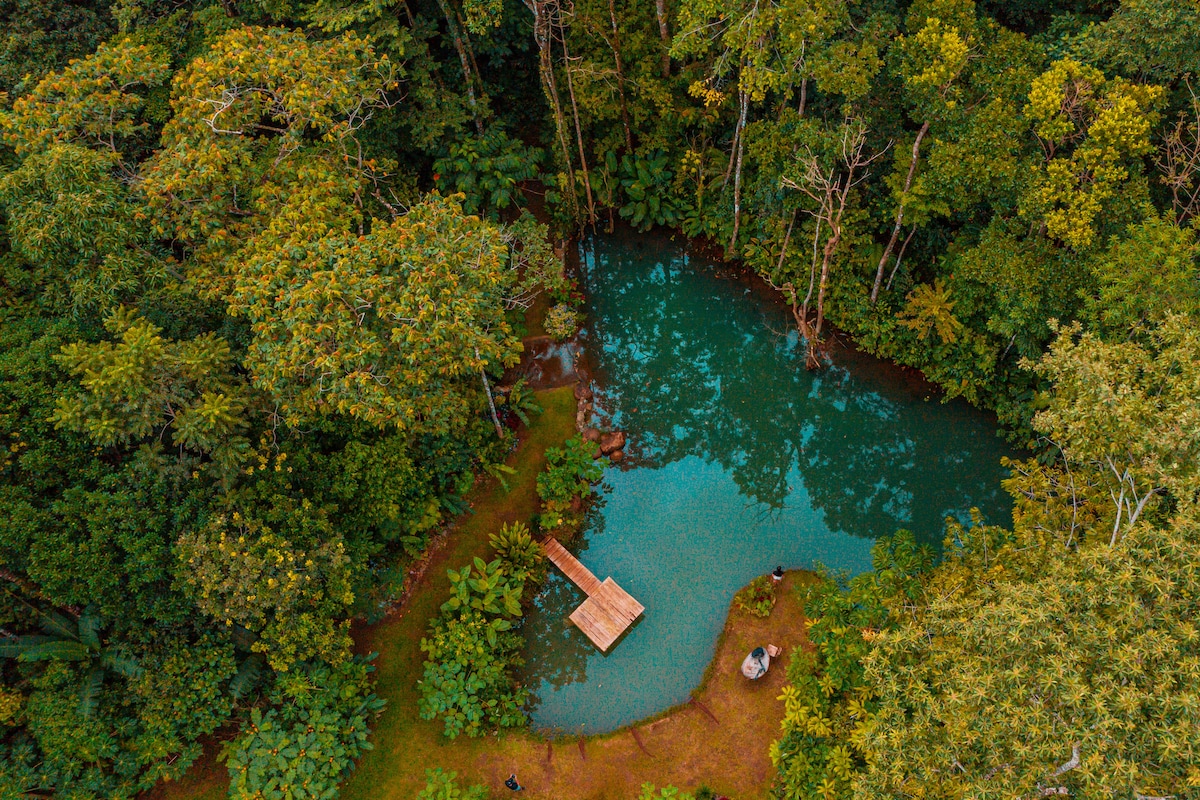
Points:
(555, 650)
(693, 364)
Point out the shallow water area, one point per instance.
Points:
(739, 460)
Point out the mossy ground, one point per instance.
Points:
(684, 747)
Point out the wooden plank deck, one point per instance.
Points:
(580, 575)
(608, 611)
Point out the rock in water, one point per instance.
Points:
(612, 442)
(592, 435)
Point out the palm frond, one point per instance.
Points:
(58, 624)
(14, 646)
(243, 638)
(120, 662)
(89, 692)
(247, 677)
(89, 628)
(63, 649)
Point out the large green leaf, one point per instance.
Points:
(60, 625)
(63, 649)
(89, 692)
(15, 646)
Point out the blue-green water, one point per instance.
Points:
(739, 459)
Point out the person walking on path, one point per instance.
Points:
(513, 784)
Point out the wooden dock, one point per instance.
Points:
(608, 611)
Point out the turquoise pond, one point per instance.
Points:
(739, 459)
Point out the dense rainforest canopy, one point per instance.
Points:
(263, 262)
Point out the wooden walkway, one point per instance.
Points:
(609, 609)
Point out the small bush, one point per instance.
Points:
(570, 472)
(519, 553)
(302, 746)
(471, 647)
(444, 786)
(487, 169)
(665, 793)
(757, 597)
(561, 322)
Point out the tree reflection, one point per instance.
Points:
(555, 650)
(691, 363)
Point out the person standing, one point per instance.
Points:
(777, 575)
(512, 783)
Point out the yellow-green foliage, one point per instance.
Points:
(289, 585)
(94, 101)
(826, 736)
(1092, 131)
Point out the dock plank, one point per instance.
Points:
(580, 575)
(608, 611)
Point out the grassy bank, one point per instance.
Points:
(685, 746)
(405, 744)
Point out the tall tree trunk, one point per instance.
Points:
(412, 22)
(887, 252)
(487, 389)
(616, 48)
(744, 99)
(459, 45)
(462, 24)
(664, 33)
(900, 257)
(587, 181)
(827, 258)
(787, 237)
(541, 36)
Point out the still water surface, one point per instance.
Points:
(740, 459)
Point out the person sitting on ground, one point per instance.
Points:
(777, 575)
(512, 783)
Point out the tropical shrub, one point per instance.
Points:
(561, 322)
(521, 555)
(471, 647)
(757, 597)
(828, 702)
(487, 168)
(441, 785)
(646, 179)
(302, 745)
(570, 472)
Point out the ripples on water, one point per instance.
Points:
(740, 459)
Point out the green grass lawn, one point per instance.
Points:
(406, 745)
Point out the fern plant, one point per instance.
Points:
(521, 401)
